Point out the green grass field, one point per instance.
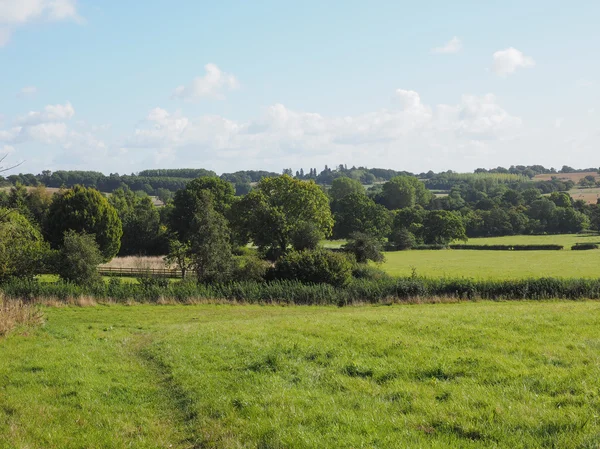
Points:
(501, 264)
(567, 240)
(468, 375)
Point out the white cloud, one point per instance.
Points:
(51, 113)
(507, 61)
(27, 91)
(454, 45)
(584, 83)
(410, 131)
(17, 13)
(212, 84)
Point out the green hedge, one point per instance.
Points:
(584, 246)
(294, 292)
(509, 247)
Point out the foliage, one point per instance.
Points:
(585, 246)
(189, 201)
(250, 268)
(273, 213)
(209, 243)
(404, 191)
(317, 266)
(364, 248)
(441, 227)
(341, 187)
(23, 251)
(179, 256)
(306, 236)
(78, 258)
(85, 210)
(356, 212)
(143, 232)
(402, 239)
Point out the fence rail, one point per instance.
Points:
(139, 272)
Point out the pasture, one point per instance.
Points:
(467, 375)
(494, 264)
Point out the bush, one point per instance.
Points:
(153, 282)
(432, 247)
(584, 246)
(250, 268)
(78, 259)
(364, 248)
(306, 236)
(316, 266)
(402, 239)
(363, 271)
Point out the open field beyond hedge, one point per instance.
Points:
(502, 375)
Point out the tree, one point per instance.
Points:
(404, 191)
(318, 266)
(364, 248)
(209, 242)
(441, 227)
(143, 233)
(277, 208)
(306, 236)
(356, 212)
(85, 210)
(341, 187)
(561, 199)
(78, 259)
(186, 202)
(179, 255)
(402, 239)
(22, 248)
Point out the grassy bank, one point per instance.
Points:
(469, 375)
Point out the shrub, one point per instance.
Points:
(250, 268)
(78, 259)
(306, 236)
(153, 281)
(402, 239)
(316, 266)
(363, 271)
(364, 248)
(509, 247)
(584, 246)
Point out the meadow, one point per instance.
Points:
(466, 375)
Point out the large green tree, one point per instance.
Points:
(341, 187)
(143, 232)
(442, 226)
(85, 210)
(356, 212)
(209, 242)
(277, 209)
(187, 202)
(404, 191)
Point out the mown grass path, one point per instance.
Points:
(468, 375)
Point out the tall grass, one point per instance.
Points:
(16, 313)
(384, 290)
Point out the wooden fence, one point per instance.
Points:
(139, 272)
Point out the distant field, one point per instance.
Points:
(567, 240)
(575, 177)
(494, 264)
(590, 196)
(469, 375)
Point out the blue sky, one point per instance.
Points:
(120, 86)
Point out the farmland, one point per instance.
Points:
(504, 375)
(575, 177)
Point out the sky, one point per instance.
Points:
(121, 86)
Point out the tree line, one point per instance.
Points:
(206, 229)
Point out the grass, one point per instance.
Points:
(14, 314)
(589, 195)
(502, 264)
(467, 375)
(494, 264)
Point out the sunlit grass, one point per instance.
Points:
(503, 375)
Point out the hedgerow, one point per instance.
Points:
(384, 289)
